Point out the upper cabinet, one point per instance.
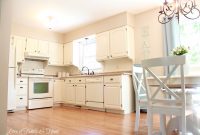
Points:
(116, 43)
(68, 54)
(102, 48)
(56, 54)
(20, 44)
(37, 47)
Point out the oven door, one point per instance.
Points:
(40, 88)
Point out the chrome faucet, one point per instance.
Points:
(88, 72)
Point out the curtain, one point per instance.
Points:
(171, 37)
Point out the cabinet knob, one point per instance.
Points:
(79, 80)
(104, 85)
(111, 79)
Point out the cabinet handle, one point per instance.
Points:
(104, 85)
(20, 98)
(21, 81)
(21, 87)
(79, 80)
(111, 79)
(73, 85)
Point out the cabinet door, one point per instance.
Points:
(32, 45)
(43, 48)
(102, 48)
(56, 54)
(80, 94)
(68, 53)
(112, 97)
(118, 43)
(20, 44)
(70, 93)
(58, 91)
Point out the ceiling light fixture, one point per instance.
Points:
(171, 9)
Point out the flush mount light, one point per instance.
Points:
(175, 8)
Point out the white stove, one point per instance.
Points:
(40, 89)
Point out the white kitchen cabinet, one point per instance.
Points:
(43, 48)
(58, 91)
(118, 93)
(80, 94)
(102, 48)
(70, 92)
(68, 54)
(74, 91)
(21, 93)
(56, 54)
(37, 47)
(112, 96)
(116, 43)
(32, 46)
(20, 44)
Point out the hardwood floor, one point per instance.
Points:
(72, 121)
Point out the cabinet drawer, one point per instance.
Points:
(112, 79)
(21, 81)
(94, 80)
(21, 89)
(70, 80)
(21, 101)
(80, 80)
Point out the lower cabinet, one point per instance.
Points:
(70, 93)
(58, 91)
(118, 93)
(21, 93)
(80, 94)
(112, 93)
(74, 91)
(112, 96)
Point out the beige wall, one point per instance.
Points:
(4, 54)
(148, 35)
(21, 30)
(100, 26)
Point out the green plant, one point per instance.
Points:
(180, 50)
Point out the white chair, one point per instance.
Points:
(140, 93)
(160, 104)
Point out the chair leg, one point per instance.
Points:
(163, 124)
(183, 121)
(137, 120)
(150, 121)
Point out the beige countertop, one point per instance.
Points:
(98, 74)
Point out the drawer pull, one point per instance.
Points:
(69, 80)
(79, 80)
(111, 79)
(21, 87)
(20, 98)
(21, 81)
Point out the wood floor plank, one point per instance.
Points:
(73, 121)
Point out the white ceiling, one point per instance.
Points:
(71, 14)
